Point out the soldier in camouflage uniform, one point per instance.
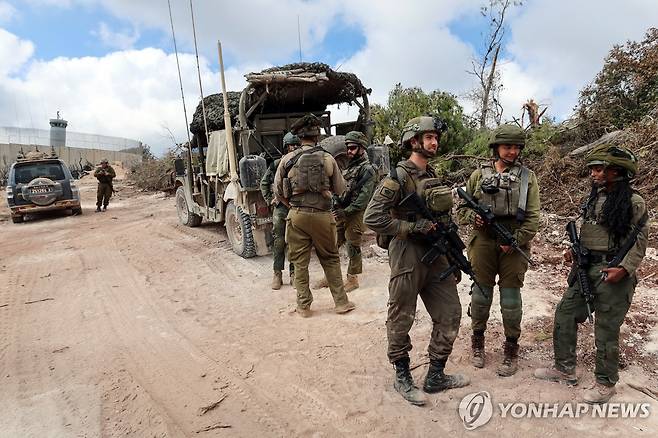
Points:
(306, 181)
(279, 214)
(361, 179)
(104, 174)
(511, 191)
(407, 230)
(610, 216)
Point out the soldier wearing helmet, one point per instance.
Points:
(306, 181)
(512, 192)
(279, 212)
(104, 174)
(348, 208)
(404, 232)
(614, 218)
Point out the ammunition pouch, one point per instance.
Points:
(287, 188)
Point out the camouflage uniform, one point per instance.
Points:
(350, 229)
(308, 188)
(279, 214)
(611, 300)
(104, 175)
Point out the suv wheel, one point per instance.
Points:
(238, 229)
(185, 216)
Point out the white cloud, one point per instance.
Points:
(13, 52)
(121, 40)
(7, 12)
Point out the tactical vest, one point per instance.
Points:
(309, 182)
(436, 195)
(506, 193)
(353, 175)
(593, 235)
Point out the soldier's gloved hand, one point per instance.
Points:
(422, 226)
(339, 214)
(479, 222)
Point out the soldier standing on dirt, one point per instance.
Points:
(511, 191)
(361, 179)
(305, 180)
(409, 276)
(104, 174)
(614, 216)
(280, 212)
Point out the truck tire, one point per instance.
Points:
(17, 219)
(185, 216)
(238, 229)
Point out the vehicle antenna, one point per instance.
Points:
(180, 80)
(196, 52)
(299, 39)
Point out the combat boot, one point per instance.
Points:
(344, 308)
(98, 209)
(477, 347)
(276, 280)
(552, 374)
(404, 383)
(511, 360)
(321, 284)
(105, 208)
(292, 278)
(598, 393)
(437, 381)
(351, 283)
(304, 313)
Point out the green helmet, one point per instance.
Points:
(507, 134)
(104, 161)
(610, 155)
(358, 138)
(291, 139)
(419, 126)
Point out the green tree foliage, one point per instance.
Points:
(406, 103)
(625, 89)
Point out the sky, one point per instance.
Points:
(109, 66)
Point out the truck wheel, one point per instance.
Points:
(238, 228)
(17, 219)
(185, 216)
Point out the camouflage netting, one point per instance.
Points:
(301, 87)
(215, 112)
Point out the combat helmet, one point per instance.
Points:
(357, 137)
(307, 126)
(291, 139)
(419, 126)
(104, 161)
(508, 134)
(614, 156)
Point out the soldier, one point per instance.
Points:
(361, 179)
(511, 191)
(279, 214)
(104, 174)
(409, 276)
(614, 216)
(305, 180)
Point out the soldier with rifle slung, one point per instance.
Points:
(504, 224)
(279, 213)
(407, 233)
(104, 174)
(612, 243)
(348, 209)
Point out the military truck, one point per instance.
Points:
(221, 184)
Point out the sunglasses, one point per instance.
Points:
(352, 147)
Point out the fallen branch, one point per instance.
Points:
(648, 277)
(4, 305)
(213, 427)
(643, 389)
(38, 301)
(210, 407)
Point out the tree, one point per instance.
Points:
(487, 92)
(625, 90)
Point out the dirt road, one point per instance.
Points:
(126, 323)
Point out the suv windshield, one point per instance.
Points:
(28, 171)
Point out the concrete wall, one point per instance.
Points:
(70, 156)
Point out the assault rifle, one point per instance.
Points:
(580, 264)
(489, 219)
(444, 240)
(623, 250)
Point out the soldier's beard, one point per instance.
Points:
(424, 152)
